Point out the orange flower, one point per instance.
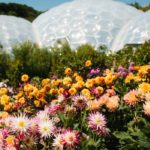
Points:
(60, 91)
(129, 78)
(47, 88)
(37, 103)
(67, 81)
(3, 114)
(80, 84)
(10, 139)
(93, 105)
(108, 79)
(41, 93)
(53, 91)
(24, 78)
(88, 63)
(22, 100)
(45, 81)
(28, 88)
(8, 107)
(42, 100)
(103, 99)
(89, 83)
(99, 80)
(3, 91)
(79, 78)
(113, 103)
(131, 98)
(86, 93)
(144, 87)
(19, 95)
(74, 85)
(144, 70)
(72, 91)
(75, 74)
(4, 99)
(136, 68)
(68, 71)
(99, 90)
(55, 82)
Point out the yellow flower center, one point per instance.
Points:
(10, 140)
(45, 129)
(97, 121)
(21, 124)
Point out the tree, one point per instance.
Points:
(19, 10)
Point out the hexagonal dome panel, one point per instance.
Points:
(84, 21)
(136, 31)
(13, 30)
(97, 22)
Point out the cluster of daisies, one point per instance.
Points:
(61, 113)
(23, 132)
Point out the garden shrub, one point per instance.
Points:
(5, 62)
(43, 62)
(29, 58)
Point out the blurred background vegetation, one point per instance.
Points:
(45, 62)
(19, 10)
(138, 6)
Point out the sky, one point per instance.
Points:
(43, 5)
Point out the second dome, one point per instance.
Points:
(97, 22)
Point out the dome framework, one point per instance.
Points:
(97, 22)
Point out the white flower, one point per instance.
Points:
(20, 124)
(97, 122)
(58, 142)
(147, 96)
(71, 138)
(146, 108)
(46, 128)
(43, 116)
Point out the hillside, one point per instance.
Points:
(19, 10)
(138, 6)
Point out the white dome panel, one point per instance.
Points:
(97, 22)
(14, 30)
(136, 31)
(84, 21)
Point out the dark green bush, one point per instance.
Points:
(27, 58)
(5, 62)
(30, 59)
(33, 60)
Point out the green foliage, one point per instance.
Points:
(76, 59)
(43, 62)
(19, 10)
(33, 60)
(4, 64)
(139, 55)
(136, 136)
(26, 58)
(138, 6)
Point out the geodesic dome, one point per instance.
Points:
(13, 30)
(135, 31)
(97, 22)
(84, 21)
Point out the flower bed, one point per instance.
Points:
(104, 109)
